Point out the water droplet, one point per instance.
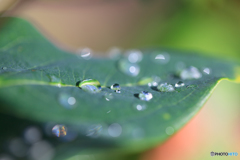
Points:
(4, 68)
(155, 81)
(145, 96)
(161, 57)
(59, 130)
(85, 53)
(116, 87)
(128, 68)
(169, 130)
(207, 70)
(115, 130)
(140, 107)
(190, 73)
(90, 85)
(55, 80)
(114, 53)
(42, 150)
(109, 111)
(32, 135)
(94, 131)
(165, 87)
(108, 96)
(179, 84)
(66, 100)
(134, 56)
(17, 147)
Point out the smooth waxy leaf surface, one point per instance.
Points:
(33, 69)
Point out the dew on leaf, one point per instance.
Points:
(55, 80)
(116, 87)
(161, 57)
(169, 130)
(191, 86)
(140, 107)
(108, 96)
(165, 87)
(134, 56)
(145, 96)
(179, 84)
(207, 70)
(85, 53)
(190, 73)
(59, 130)
(4, 68)
(94, 131)
(115, 130)
(90, 85)
(128, 68)
(150, 81)
(66, 100)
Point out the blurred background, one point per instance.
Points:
(208, 26)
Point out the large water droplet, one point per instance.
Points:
(116, 87)
(66, 100)
(115, 130)
(108, 96)
(207, 70)
(161, 57)
(190, 73)
(169, 130)
(128, 68)
(134, 56)
(165, 87)
(140, 107)
(94, 131)
(4, 68)
(145, 96)
(59, 130)
(90, 85)
(179, 84)
(85, 53)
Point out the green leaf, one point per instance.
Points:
(33, 68)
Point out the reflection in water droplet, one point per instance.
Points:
(32, 135)
(85, 53)
(128, 68)
(190, 73)
(114, 53)
(161, 57)
(66, 100)
(17, 147)
(145, 96)
(59, 130)
(169, 130)
(139, 107)
(108, 96)
(41, 151)
(116, 87)
(115, 130)
(165, 87)
(207, 70)
(134, 56)
(4, 68)
(94, 131)
(90, 85)
(179, 84)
